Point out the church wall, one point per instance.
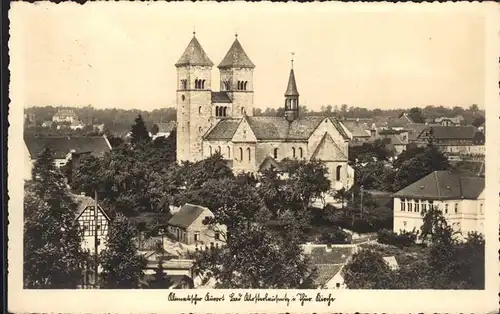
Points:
(244, 159)
(328, 127)
(228, 106)
(285, 150)
(241, 99)
(226, 149)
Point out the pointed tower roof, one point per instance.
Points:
(236, 57)
(291, 89)
(194, 55)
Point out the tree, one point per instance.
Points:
(256, 259)
(416, 115)
(478, 121)
(431, 159)
(367, 270)
(139, 131)
(53, 256)
(122, 266)
(155, 129)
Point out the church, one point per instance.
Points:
(222, 121)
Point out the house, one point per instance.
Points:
(359, 132)
(210, 121)
(466, 140)
(64, 149)
(164, 129)
(396, 140)
(94, 225)
(329, 261)
(47, 124)
(179, 272)
(65, 115)
(446, 121)
(458, 195)
(187, 226)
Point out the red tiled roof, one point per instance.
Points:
(236, 57)
(194, 55)
(441, 185)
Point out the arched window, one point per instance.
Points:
(301, 155)
(203, 84)
(249, 151)
(239, 85)
(225, 111)
(245, 85)
(242, 110)
(275, 153)
(196, 84)
(293, 152)
(241, 154)
(338, 173)
(210, 150)
(199, 129)
(218, 149)
(228, 152)
(199, 109)
(216, 111)
(183, 84)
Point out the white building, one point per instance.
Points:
(65, 115)
(459, 196)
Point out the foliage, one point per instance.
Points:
(367, 270)
(375, 175)
(122, 266)
(431, 159)
(255, 259)
(416, 115)
(404, 238)
(139, 131)
(478, 121)
(337, 236)
(53, 257)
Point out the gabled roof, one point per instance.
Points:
(236, 57)
(63, 145)
(194, 55)
(223, 130)
(327, 139)
(325, 272)
(186, 215)
(291, 89)
(221, 97)
(451, 132)
(358, 129)
(339, 254)
(273, 128)
(83, 202)
(442, 185)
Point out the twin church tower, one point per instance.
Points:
(200, 109)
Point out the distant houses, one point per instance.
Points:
(461, 140)
(163, 129)
(458, 195)
(65, 115)
(65, 149)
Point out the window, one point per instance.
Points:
(242, 110)
(203, 84)
(199, 129)
(404, 223)
(210, 150)
(249, 151)
(446, 208)
(183, 97)
(300, 152)
(431, 204)
(410, 206)
(228, 152)
(275, 153)
(424, 207)
(417, 206)
(241, 154)
(225, 112)
(217, 235)
(183, 84)
(456, 208)
(218, 149)
(339, 168)
(293, 152)
(196, 236)
(337, 285)
(403, 205)
(199, 109)
(481, 208)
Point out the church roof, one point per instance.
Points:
(291, 89)
(224, 130)
(273, 128)
(194, 55)
(236, 57)
(221, 97)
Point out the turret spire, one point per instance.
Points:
(291, 96)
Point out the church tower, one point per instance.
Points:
(194, 94)
(291, 98)
(236, 76)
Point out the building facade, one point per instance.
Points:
(222, 121)
(459, 196)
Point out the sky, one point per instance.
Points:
(123, 54)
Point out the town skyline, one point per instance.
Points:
(361, 71)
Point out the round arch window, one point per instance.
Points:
(183, 97)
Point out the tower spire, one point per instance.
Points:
(291, 96)
(293, 53)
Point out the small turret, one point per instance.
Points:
(291, 97)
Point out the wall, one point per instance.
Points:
(194, 112)
(241, 99)
(207, 234)
(214, 145)
(468, 218)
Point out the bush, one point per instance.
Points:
(337, 236)
(404, 238)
